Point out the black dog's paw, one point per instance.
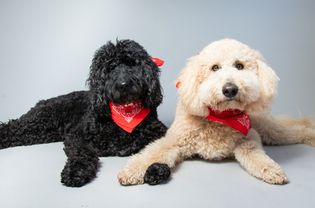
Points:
(75, 176)
(157, 173)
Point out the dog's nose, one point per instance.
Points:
(123, 85)
(230, 90)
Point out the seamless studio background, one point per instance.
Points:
(47, 46)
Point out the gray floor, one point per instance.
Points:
(29, 177)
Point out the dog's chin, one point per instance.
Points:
(227, 104)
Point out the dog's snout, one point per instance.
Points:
(229, 90)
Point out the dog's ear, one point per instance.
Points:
(268, 81)
(103, 61)
(154, 96)
(188, 83)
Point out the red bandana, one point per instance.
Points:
(157, 61)
(128, 116)
(235, 119)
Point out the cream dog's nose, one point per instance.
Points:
(229, 90)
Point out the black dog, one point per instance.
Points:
(123, 84)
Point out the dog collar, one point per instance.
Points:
(128, 116)
(233, 118)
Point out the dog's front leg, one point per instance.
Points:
(253, 159)
(152, 165)
(82, 162)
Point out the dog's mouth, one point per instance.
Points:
(231, 99)
(123, 97)
(227, 103)
(125, 102)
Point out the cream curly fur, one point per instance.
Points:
(201, 88)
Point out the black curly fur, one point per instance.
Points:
(82, 119)
(157, 173)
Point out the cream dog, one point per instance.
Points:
(223, 111)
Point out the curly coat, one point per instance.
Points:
(83, 119)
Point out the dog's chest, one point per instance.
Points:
(217, 141)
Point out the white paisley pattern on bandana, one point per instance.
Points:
(244, 120)
(128, 111)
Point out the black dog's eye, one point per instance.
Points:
(239, 65)
(215, 67)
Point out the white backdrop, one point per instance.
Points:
(46, 46)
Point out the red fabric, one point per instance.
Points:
(236, 119)
(128, 116)
(157, 61)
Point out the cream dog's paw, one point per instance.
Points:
(130, 177)
(274, 175)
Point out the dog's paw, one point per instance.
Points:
(73, 179)
(130, 177)
(274, 175)
(157, 173)
(76, 176)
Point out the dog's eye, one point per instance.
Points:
(215, 67)
(239, 65)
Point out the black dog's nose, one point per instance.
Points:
(123, 85)
(230, 90)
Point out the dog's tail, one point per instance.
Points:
(284, 130)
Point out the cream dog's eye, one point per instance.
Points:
(239, 65)
(215, 67)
